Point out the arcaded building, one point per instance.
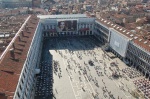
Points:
(130, 47)
(19, 63)
(66, 25)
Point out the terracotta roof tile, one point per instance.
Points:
(10, 67)
(145, 44)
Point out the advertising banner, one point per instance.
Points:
(67, 25)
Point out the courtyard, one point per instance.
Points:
(78, 68)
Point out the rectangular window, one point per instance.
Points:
(25, 70)
(18, 94)
(25, 94)
(23, 75)
(90, 32)
(20, 87)
(22, 81)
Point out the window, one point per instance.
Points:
(30, 55)
(47, 27)
(27, 62)
(18, 94)
(90, 32)
(22, 81)
(25, 70)
(20, 87)
(25, 94)
(23, 75)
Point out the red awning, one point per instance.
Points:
(52, 30)
(84, 29)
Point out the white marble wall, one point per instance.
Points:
(26, 82)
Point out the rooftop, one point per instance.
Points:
(14, 56)
(63, 16)
(143, 43)
(9, 26)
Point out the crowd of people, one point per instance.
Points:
(144, 86)
(131, 72)
(76, 67)
(83, 70)
(57, 68)
(44, 84)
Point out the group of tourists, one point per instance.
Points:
(144, 86)
(131, 72)
(44, 84)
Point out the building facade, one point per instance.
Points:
(117, 40)
(67, 25)
(27, 81)
(47, 27)
(124, 45)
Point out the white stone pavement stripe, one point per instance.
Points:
(118, 86)
(82, 75)
(80, 71)
(68, 76)
(115, 82)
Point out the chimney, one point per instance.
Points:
(12, 53)
(22, 33)
(13, 45)
(19, 37)
(26, 26)
(4, 35)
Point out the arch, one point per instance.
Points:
(140, 69)
(71, 33)
(80, 33)
(85, 33)
(147, 75)
(88, 33)
(91, 33)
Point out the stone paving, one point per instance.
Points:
(77, 79)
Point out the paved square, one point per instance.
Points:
(74, 76)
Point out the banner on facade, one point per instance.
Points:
(67, 25)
